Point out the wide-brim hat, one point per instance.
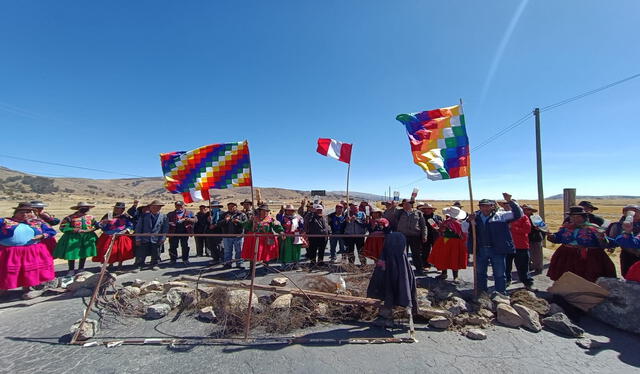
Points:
(156, 203)
(486, 202)
(82, 205)
(527, 206)
(587, 204)
(289, 207)
(37, 204)
(216, 204)
(232, 203)
(264, 207)
(23, 206)
(375, 209)
(577, 211)
(318, 207)
(457, 203)
(407, 201)
(455, 212)
(119, 205)
(426, 206)
(246, 201)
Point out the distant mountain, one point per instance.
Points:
(16, 185)
(586, 197)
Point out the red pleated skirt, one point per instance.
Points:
(122, 249)
(25, 266)
(449, 253)
(590, 264)
(373, 246)
(633, 274)
(268, 248)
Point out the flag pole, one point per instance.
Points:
(247, 325)
(348, 171)
(473, 226)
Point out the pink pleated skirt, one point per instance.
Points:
(25, 266)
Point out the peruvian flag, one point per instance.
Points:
(195, 195)
(335, 149)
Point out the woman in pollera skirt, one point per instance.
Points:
(49, 219)
(582, 250)
(450, 249)
(78, 239)
(378, 227)
(291, 244)
(24, 260)
(268, 245)
(116, 222)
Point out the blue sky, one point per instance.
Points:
(112, 84)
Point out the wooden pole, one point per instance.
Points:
(107, 255)
(473, 226)
(250, 170)
(247, 326)
(536, 113)
(348, 171)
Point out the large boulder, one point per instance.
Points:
(157, 311)
(282, 302)
(622, 308)
(439, 322)
(476, 334)
(530, 318)
(456, 305)
(239, 301)
(89, 329)
(561, 324)
(90, 280)
(432, 312)
(508, 316)
(279, 282)
(151, 298)
(486, 313)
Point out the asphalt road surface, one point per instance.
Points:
(30, 333)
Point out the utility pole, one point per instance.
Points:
(536, 113)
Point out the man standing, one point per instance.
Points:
(536, 237)
(337, 222)
(232, 222)
(411, 224)
(247, 209)
(152, 222)
(317, 224)
(356, 224)
(493, 240)
(433, 222)
(181, 221)
(520, 230)
(200, 227)
(214, 227)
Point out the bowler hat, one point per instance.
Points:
(82, 205)
(246, 201)
(587, 204)
(577, 211)
(457, 203)
(156, 203)
(23, 206)
(527, 206)
(289, 207)
(486, 202)
(264, 207)
(119, 205)
(216, 204)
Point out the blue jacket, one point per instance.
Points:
(145, 225)
(495, 232)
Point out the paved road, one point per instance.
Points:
(29, 333)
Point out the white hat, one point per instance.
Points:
(455, 212)
(318, 206)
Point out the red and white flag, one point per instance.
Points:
(335, 149)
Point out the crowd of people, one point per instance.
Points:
(505, 232)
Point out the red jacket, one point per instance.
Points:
(520, 229)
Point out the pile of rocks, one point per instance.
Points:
(445, 308)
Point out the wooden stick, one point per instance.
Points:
(324, 296)
(348, 172)
(247, 325)
(95, 290)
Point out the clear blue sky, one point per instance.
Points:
(112, 84)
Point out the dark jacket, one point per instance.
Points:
(202, 222)
(337, 223)
(316, 225)
(432, 233)
(150, 224)
(393, 280)
(495, 232)
(411, 223)
(230, 227)
(181, 223)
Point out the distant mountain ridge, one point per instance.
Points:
(16, 185)
(590, 197)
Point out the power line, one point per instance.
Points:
(71, 166)
(587, 93)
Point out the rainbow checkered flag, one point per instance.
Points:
(439, 142)
(195, 172)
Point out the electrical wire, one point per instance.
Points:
(70, 166)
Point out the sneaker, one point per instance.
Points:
(186, 263)
(172, 262)
(155, 267)
(71, 273)
(227, 266)
(31, 295)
